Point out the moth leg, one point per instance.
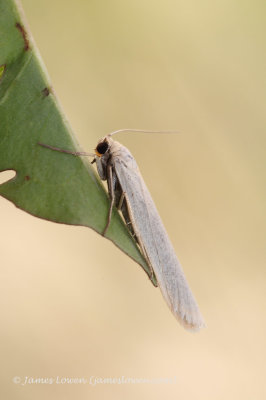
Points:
(139, 241)
(121, 201)
(74, 153)
(112, 196)
(151, 274)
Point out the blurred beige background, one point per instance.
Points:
(73, 305)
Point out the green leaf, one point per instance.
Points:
(48, 184)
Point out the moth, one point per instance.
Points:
(129, 194)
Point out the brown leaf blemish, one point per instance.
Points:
(46, 91)
(24, 35)
(27, 178)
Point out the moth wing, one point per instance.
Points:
(159, 250)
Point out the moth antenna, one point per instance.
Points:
(140, 130)
(74, 153)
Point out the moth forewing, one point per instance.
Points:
(149, 231)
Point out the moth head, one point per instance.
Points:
(102, 147)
